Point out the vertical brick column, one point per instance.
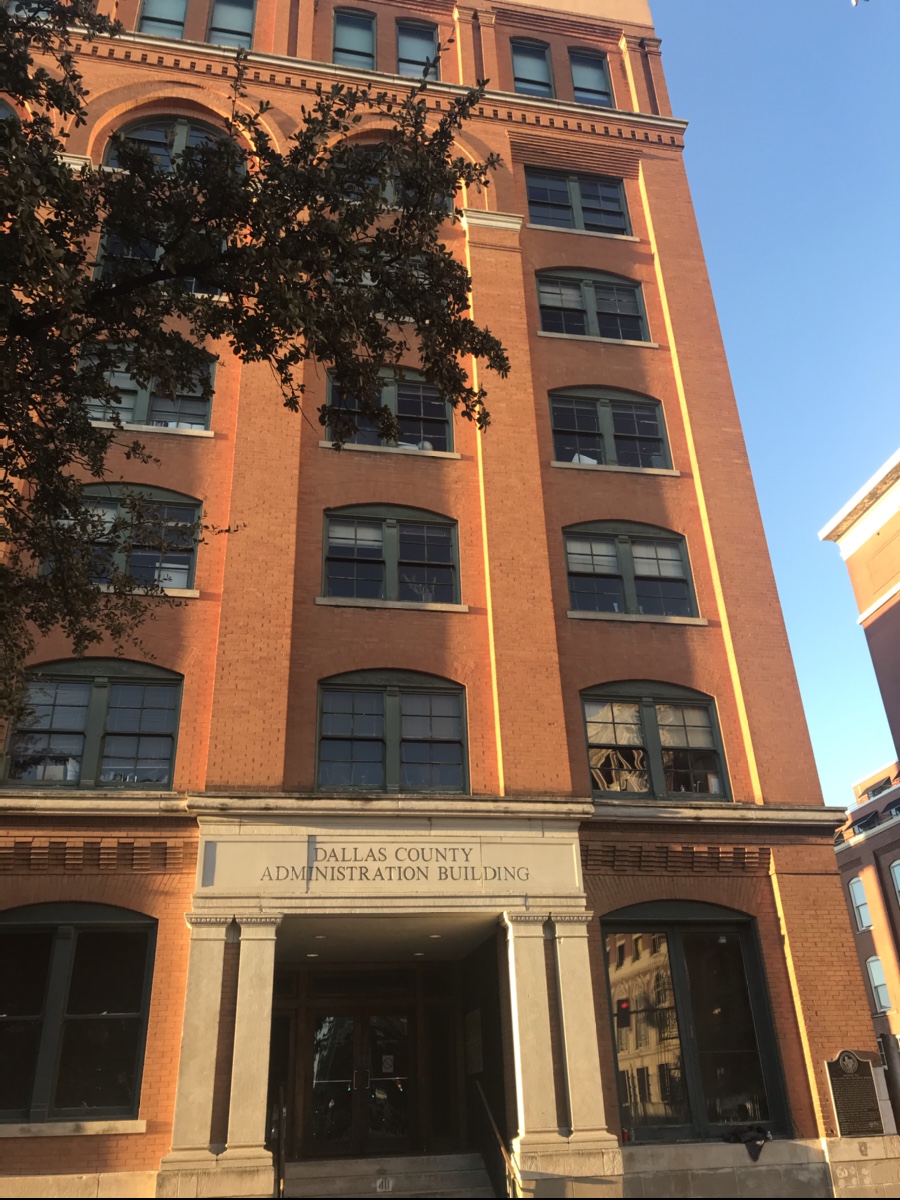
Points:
(533, 757)
(199, 1039)
(532, 1048)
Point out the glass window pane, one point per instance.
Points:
(416, 45)
(652, 1090)
(163, 17)
(549, 202)
(589, 79)
(423, 417)
(24, 966)
(602, 206)
(576, 431)
(531, 70)
(354, 40)
(562, 306)
(108, 973)
(724, 1032)
(231, 23)
(98, 1064)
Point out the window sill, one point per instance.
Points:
(587, 337)
(578, 615)
(176, 593)
(593, 233)
(574, 466)
(394, 450)
(202, 433)
(72, 1128)
(411, 605)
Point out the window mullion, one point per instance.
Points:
(607, 431)
(575, 201)
(589, 296)
(653, 747)
(142, 405)
(94, 729)
(685, 1015)
(392, 739)
(52, 1022)
(626, 570)
(391, 560)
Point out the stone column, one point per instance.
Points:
(533, 1050)
(199, 1039)
(252, 1029)
(551, 1159)
(579, 1029)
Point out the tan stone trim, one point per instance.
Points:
(650, 618)
(492, 220)
(574, 466)
(817, 818)
(72, 1129)
(411, 605)
(407, 450)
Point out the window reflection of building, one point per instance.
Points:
(661, 985)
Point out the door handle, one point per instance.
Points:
(355, 1073)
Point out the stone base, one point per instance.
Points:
(570, 1168)
(106, 1183)
(840, 1167)
(226, 1179)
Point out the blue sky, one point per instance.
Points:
(793, 159)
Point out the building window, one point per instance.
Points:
(150, 535)
(416, 48)
(879, 984)
(423, 415)
(895, 876)
(860, 907)
(74, 997)
(378, 553)
(354, 40)
(600, 306)
(151, 405)
(231, 23)
(866, 824)
(654, 739)
(622, 567)
(165, 138)
(587, 202)
(531, 68)
(163, 17)
(97, 722)
(594, 427)
(391, 731)
(590, 79)
(708, 1041)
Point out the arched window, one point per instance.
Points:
(152, 534)
(531, 67)
(391, 731)
(417, 45)
(96, 722)
(702, 1058)
(163, 137)
(380, 552)
(354, 39)
(165, 18)
(74, 998)
(860, 906)
(624, 567)
(878, 984)
(590, 304)
(598, 426)
(657, 740)
(590, 78)
(6, 111)
(423, 415)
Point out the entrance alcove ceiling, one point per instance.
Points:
(397, 938)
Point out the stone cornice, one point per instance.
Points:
(818, 818)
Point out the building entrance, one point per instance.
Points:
(361, 1082)
(368, 1060)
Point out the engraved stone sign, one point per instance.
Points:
(854, 1095)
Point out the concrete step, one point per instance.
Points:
(415, 1175)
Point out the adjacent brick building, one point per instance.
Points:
(517, 828)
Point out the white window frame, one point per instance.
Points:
(880, 993)
(857, 890)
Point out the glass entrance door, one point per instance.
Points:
(362, 1082)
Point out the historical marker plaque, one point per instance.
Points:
(854, 1095)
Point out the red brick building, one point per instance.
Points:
(477, 762)
(868, 846)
